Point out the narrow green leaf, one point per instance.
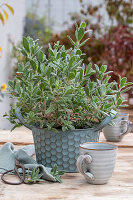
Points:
(83, 42)
(71, 75)
(123, 81)
(55, 168)
(58, 179)
(63, 54)
(83, 25)
(80, 34)
(129, 83)
(89, 74)
(41, 56)
(103, 68)
(23, 52)
(73, 43)
(11, 84)
(71, 61)
(96, 99)
(97, 68)
(87, 91)
(118, 95)
(49, 110)
(76, 34)
(84, 82)
(81, 74)
(51, 52)
(18, 88)
(106, 106)
(88, 68)
(103, 90)
(64, 128)
(61, 172)
(26, 44)
(127, 89)
(91, 85)
(69, 91)
(94, 105)
(42, 86)
(33, 64)
(119, 102)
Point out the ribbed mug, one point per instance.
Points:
(121, 126)
(96, 162)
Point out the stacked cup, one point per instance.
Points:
(121, 126)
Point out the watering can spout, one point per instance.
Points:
(106, 121)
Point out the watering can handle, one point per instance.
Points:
(106, 121)
(21, 119)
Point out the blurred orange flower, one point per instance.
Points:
(4, 86)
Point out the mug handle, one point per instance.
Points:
(129, 127)
(81, 165)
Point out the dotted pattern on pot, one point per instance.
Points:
(61, 148)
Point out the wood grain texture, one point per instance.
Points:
(23, 136)
(20, 136)
(126, 142)
(74, 186)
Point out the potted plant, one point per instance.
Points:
(58, 99)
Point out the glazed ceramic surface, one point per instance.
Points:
(96, 162)
(121, 126)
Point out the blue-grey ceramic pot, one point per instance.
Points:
(62, 148)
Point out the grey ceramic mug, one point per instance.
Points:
(96, 162)
(121, 126)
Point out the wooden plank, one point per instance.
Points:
(20, 136)
(23, 136)
(74, 186)
(127, 141)
(128, 110)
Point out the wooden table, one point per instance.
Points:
(74, 185)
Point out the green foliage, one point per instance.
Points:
(57, 174)
(35, 27)
(59, 91)
(111, 43)
(12, 118)
(34, 177)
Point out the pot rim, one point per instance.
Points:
(113, 146)
(60, 130)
